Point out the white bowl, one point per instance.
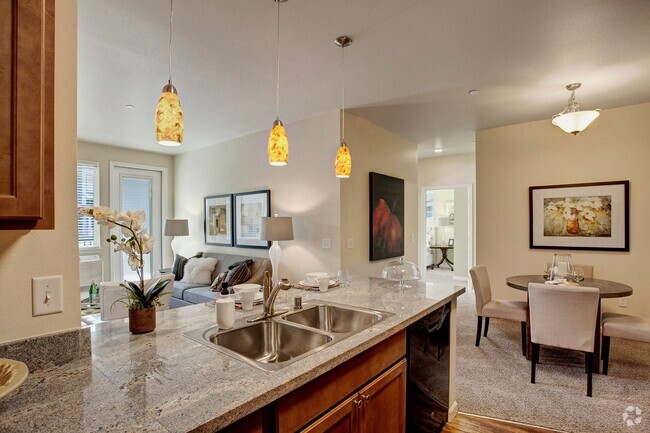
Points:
(246, 288)
(313, 277)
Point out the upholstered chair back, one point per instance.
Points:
(563, 316)
(482, 290)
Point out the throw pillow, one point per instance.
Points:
(179, 265)
(216, 284)
(198, 270)
(238, 275)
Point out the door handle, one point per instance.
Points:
(358, 403)
(366, 398)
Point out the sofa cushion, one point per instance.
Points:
(178, 268)
(238, 274)
(227, 260)
(198, 270)
(179, 288)
(199, 295)
(217, 283)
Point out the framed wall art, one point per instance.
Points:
(218, 219)
(386, 217)
(586, 216)
(250, 207)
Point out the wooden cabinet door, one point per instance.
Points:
(342, 419)
(384, 402)
(27, 114)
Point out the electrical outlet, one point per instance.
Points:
(327, 244)
(622, 302)
(47, 295)
(350, 244)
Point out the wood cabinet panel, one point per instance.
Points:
(384, 402)
(341, 419)
(253, 423)
(305, 404)
(27, 121)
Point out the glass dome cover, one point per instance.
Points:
(401, 270)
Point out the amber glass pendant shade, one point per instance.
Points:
(169, 119)
(278, 145)
(343, 164)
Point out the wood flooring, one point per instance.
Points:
(465, 423)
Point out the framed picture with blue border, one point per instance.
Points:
(217, 224)
(249, 208)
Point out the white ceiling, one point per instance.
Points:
(409, 69)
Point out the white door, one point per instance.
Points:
(136, 188)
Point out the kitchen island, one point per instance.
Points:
(165, 382)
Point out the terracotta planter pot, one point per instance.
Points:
(143, 320)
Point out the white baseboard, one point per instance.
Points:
(463, 279)
(452, 412)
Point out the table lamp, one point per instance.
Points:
(276, 229)
(443, 222)
(175, 228)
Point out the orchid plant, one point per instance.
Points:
(135, 243)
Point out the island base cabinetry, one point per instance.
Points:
(377, 407)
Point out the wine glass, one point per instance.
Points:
(578, 274)
(343, 276)
(547, 271)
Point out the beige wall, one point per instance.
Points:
(306, 189)
(375, 149)
(103, 155)
(512, 158)
(452, 171)
(25, 254)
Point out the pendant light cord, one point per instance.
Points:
(342, 95)
(277, 58)
(171, 29)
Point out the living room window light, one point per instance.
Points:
(87, 196)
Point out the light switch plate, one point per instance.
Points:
(47, 295)
(622, 302)
(350, 244)
(327, 244)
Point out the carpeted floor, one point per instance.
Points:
(494, 380)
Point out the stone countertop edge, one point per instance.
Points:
(164, 382)
(252, 405)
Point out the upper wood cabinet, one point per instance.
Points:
(26, 114)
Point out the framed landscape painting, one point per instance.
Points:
(250, 207)
(587, 216)
(386, 217)
(218, 219)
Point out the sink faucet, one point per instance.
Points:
(270, 294)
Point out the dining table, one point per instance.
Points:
(607, 289)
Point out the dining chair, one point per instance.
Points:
(622, 326)
(565, 317)
(587, 269)
(498, 308)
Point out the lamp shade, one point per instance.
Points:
(276, 229)
(169, 118)
(576, 121)
(278, 145)
(343, 165)
(176, 227)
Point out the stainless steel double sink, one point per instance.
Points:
(275, 343)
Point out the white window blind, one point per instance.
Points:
(87, 196)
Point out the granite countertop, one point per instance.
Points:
(165, 382)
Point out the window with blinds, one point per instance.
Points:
(87, 196)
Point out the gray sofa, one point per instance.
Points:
(184, 294)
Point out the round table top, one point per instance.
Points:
(608, 289)
(442, 247)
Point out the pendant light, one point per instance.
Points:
(343, 163)
(169, 114)
(571, 119)
(278, 143)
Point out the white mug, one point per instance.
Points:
(225, 308)
(323, 283)
(247, 298)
